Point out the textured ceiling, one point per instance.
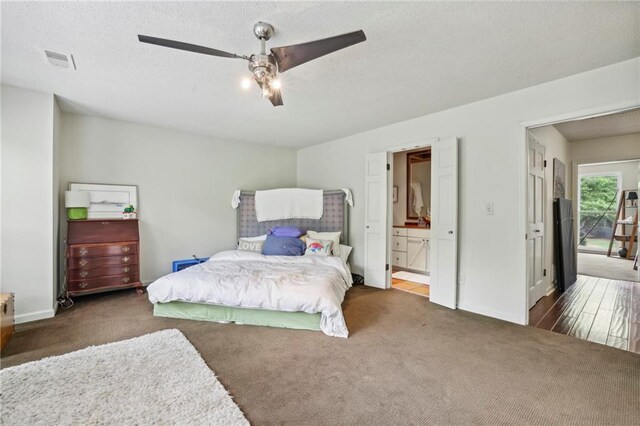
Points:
(622, 123)
(419, 58)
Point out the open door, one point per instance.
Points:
(535, 222)
(375, 233)
(444, 223)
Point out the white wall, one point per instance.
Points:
(185, 181)
(28, 202)
(556, 146)
(492, 168)
(615, 148)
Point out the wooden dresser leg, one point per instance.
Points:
(140, 290)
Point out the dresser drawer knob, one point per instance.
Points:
(125, 270)
(105, 223)
(83, 251)
(83, 284)
(83, 262)
(125, 280)
(125, 259)
(125, 249)
(84, 274)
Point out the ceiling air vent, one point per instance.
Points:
(60, 59)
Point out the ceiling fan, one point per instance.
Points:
(265, 66)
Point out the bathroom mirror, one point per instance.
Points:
(418, 184)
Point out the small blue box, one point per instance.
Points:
(179, 265)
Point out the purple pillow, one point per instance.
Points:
(283, 246)
(287, 231)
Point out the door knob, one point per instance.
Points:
(367, 226)
(450, 232)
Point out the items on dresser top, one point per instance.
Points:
(411, 247)
(102, 255)
(76, 203)
(6, 318)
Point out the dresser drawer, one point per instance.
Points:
(402, 232)
(97, 262)
(399, 243)
(82, 274)
(127, 280)
(102, 250)
(399, 258)
(102, 231)
(6, 318)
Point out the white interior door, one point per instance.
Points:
(443, 286)
(375, 233)
(535, 221)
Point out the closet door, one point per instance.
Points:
(375, 232)
(444, 223)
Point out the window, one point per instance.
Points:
(598, 196)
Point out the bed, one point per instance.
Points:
(297, 292)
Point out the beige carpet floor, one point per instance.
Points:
(407, 361)
(602, 266)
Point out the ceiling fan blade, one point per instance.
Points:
(188, 47)
(276, 96)
(288, 57)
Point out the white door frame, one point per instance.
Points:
(522, 178)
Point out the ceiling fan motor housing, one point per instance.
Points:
(262, 30)
(263, 67)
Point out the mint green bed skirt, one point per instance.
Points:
(203, 312)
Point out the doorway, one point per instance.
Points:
(411, 207)
(594, 154)
(440, 254)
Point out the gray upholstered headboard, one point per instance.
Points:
(335, 217)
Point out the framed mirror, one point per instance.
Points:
(418, 184)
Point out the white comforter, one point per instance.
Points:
(245, 279)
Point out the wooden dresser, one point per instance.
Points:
(6, 318)
(102, 255)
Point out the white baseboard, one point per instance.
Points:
(34, 316)
(490, 313)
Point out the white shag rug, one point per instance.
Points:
(156, 379)
(410, 276)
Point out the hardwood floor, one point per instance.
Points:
(410, 287)
(599, 310)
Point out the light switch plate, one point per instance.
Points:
(488, 208)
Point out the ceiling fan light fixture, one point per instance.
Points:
(246, 83)
(276, 84)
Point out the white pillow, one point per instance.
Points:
(252, 243)
(345, 251)
(333, 236)
(318, 247)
